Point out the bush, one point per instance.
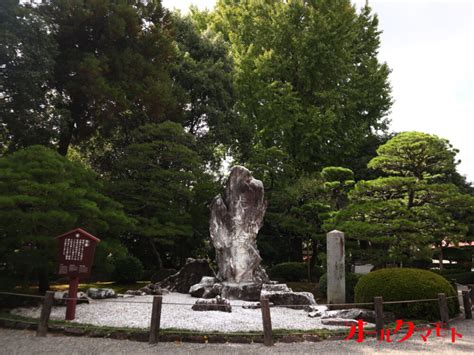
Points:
(407, 284)
(128, 269)
(351, 281)
(291, 271)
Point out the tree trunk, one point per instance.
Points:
(296, 251)
(441, 257)
(43, 281)
(159, 261)
(65, 138)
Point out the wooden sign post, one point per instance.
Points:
(76, 254)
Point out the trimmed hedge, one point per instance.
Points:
(407, 284)
(290, 271)
(128, 269)
(351, 282)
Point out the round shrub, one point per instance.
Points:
(351, 281)
(407, 284)
(291, 271)
(128, 269)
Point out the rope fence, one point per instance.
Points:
(157, 303)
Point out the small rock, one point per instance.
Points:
(315, 314)
(339, 321)
(213, 304)
(316, 308)
(206, 288)
(154, 289)
(101, 293)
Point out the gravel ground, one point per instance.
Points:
(136, 314)
(24, 342)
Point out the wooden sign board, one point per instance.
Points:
(76, 253)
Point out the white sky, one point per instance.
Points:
(429, 45)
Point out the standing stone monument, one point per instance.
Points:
(336, 288)
(236, 218)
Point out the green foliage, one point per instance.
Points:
(203, 75)
(27, 64)
(290, 271)
(402, 215)
(415, 154)
(306, 76)
(106, 252)
(128, 269)
(351, 282)
(111, 69)
(43, 195)
(161, 182)
(407, 284)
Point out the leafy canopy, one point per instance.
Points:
(42, 195)
(413, 208)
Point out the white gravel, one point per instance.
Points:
(137, 311)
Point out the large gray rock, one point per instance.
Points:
(236, 218)
(294, 300)
(191, 273)
(241, 291)
(214, 304)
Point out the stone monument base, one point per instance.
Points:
(279, 294)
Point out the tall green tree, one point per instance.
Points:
(202, 72)
(42, 195)
(412, 208)
(161, 182)
(111, 71)
(26, 69)
(307, 78)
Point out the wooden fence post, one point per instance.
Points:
(378, 308)
(443, 308)
(155, 319)
(466, 299)
(42, 329)
(267, 322)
